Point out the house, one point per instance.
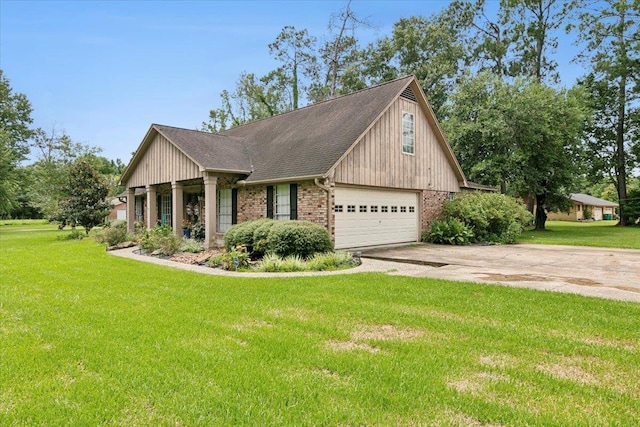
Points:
(373, 167)
(118, 209)
(600, 209)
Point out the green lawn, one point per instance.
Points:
(87, 338)
(597, 233)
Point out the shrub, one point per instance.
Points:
(587, 214)
(198, 231)
(450, 231)
(192, 246)
(331, 261)
(491, 217)
(161, 240)
(302, 238)
(260, 236)
(242, 234)
(111, 235)
(75, 234)
(318, 262)
(228, 260)
(632, 207)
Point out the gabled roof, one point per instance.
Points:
(586, 199)
(304, 143)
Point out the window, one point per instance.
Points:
(403, 209)
(225, 210)
(165, 209)
(363, 208)
(412, 209)
(384, 209)
(374, 208)
(394, 209)
(408, 134)
(452, 196)
(283, 202)
(139, 215)
(338, 208)
(351, 208)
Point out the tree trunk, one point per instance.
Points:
(622, 99)
(541, 214)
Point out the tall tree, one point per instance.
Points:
(531, 25)
(15, 119)
(296, 51)
(8, 176)
(338, 57)
(252, 99)
(523, 136)
(611, 31)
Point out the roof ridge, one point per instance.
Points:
(322, 102)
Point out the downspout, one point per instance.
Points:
(329, 210)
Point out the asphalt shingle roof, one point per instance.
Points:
(586, 199)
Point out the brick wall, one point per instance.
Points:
(312, 203)
(431, 207)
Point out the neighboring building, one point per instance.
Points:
(373, 167)
(118, 209)
(600, 209)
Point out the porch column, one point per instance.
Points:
(131, 209)
(177, 207)
(210, 210)
(152, 206)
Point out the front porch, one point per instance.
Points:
(196, 201)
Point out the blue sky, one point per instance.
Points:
(104, 71)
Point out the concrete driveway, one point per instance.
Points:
(599, 272)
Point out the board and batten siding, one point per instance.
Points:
(378, 160)
(162, 162)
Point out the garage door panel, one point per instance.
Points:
(394, 218)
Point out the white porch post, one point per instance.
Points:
(152, 206)
(177, 206)
(131, 209)
(210, 210)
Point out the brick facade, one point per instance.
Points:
(431, 207)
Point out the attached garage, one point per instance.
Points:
(367, 217)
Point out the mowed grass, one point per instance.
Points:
(87, 338)
(596, 233)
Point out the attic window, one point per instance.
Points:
(408, 133)
(408, 94)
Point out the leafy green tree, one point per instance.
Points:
(522, 136)
(611, 29)
(84, 197)
(9, 183)
(253, 99)
(15, 119)
(55, 152)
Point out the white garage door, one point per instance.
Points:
(374, 217)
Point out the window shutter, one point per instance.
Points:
(293, 199)
(270, 201)
(234, 206)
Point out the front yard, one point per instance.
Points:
(87, 338)
(603, 234)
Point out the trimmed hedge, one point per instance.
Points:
(283, 238)
(302, 238)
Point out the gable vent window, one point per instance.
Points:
(408, 94)
(408, 133)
